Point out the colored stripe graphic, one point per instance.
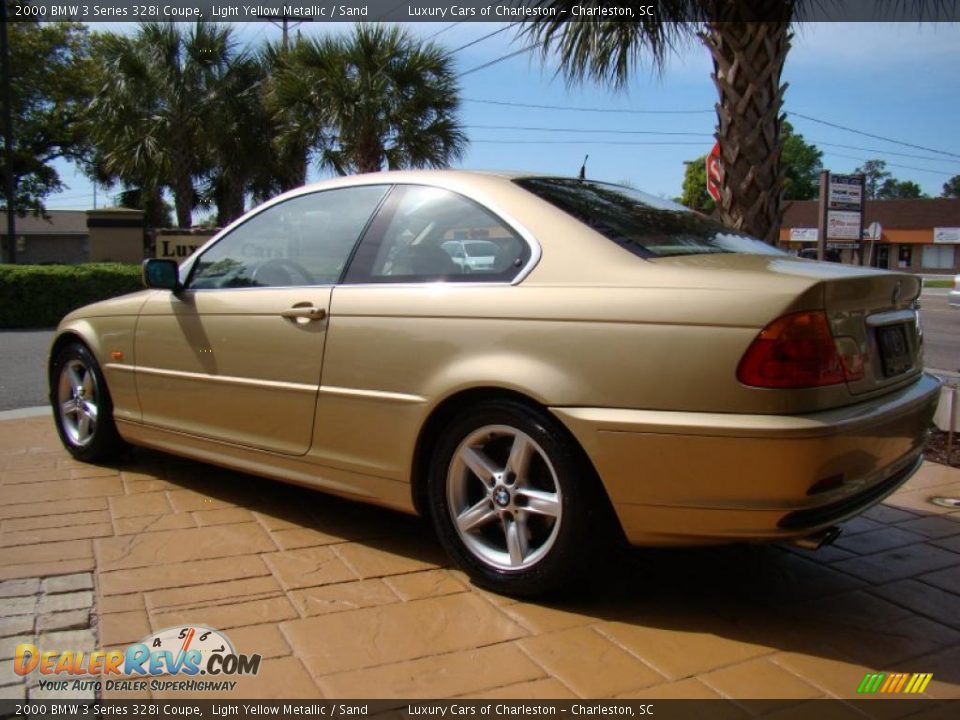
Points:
(870, 683)
(890, 683)
(921, 685)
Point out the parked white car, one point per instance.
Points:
(953, 297)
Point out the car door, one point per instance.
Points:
(398, 320)
(236, 355)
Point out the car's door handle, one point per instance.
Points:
(308, 312)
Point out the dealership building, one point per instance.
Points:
(921, 236)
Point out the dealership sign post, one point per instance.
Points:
(841, 212)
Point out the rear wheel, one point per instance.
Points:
(82, 406)
(511, 499)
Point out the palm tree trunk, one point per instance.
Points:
(182, 188)
(748, 61)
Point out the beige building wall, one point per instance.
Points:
(115, 235)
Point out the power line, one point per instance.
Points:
(583, 109)
(443, 30)
(882, 152)
(905, 167)
(480, 39)
(631, 111)
(587, 130)
(500, 59)
(871, 135)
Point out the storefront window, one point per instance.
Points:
(938, 257)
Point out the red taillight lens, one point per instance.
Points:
(797, 351)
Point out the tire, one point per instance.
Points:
(526, 528)
(82, 408)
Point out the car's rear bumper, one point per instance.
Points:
(692, 478)
(953, 298)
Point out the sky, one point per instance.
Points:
(894, 80)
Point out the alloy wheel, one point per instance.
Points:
(504, 497)
(77, 402)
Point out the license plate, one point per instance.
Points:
(894, 349)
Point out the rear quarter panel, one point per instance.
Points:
(394, 353)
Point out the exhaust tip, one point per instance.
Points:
(818, 540)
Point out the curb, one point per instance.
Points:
(24, 413)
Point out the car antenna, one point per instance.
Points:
(583, 168)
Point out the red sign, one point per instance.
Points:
(714, 172)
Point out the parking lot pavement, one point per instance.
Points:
(344, 600)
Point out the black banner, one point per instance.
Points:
(448, 11)
(471, 709)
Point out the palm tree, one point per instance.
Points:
(374, 99)
(238, 137)
(291, 140)
(152, 117)
(748, 41)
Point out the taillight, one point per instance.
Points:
(798, 351)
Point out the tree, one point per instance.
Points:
(291, 139)
(373, 100)
(880, 184)
(951, 188)
(152, 119)
(802, 164)
(695, 195)
(49, 89)
(749, 43)
(893, 189)
(875, 175)
(239, 142)
(156, 211)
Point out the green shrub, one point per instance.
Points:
(38, 296)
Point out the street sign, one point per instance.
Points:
(846, 192)
(946, 235)
(714, 172)
(844, 207)
(843, 225)
(803, 235)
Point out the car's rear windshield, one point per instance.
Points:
(645, 225)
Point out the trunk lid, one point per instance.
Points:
(871, 312)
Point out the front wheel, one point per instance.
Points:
(512, 498)
(82, 408)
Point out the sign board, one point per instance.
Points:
(842, 246)
(946, 235)
(803, 234)
(714, 172)
(845, 192)
(178, 247)
(843, 225)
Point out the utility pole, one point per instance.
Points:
(283, 21)
(10, 184)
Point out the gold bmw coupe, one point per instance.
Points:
(533, 363)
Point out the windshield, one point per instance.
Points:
(645, 225)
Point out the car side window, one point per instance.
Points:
(305, 240)
(426, 234)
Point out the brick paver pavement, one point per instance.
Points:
(345, 600)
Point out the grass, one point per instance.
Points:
(945, 283)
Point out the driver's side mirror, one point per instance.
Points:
(161, 274)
